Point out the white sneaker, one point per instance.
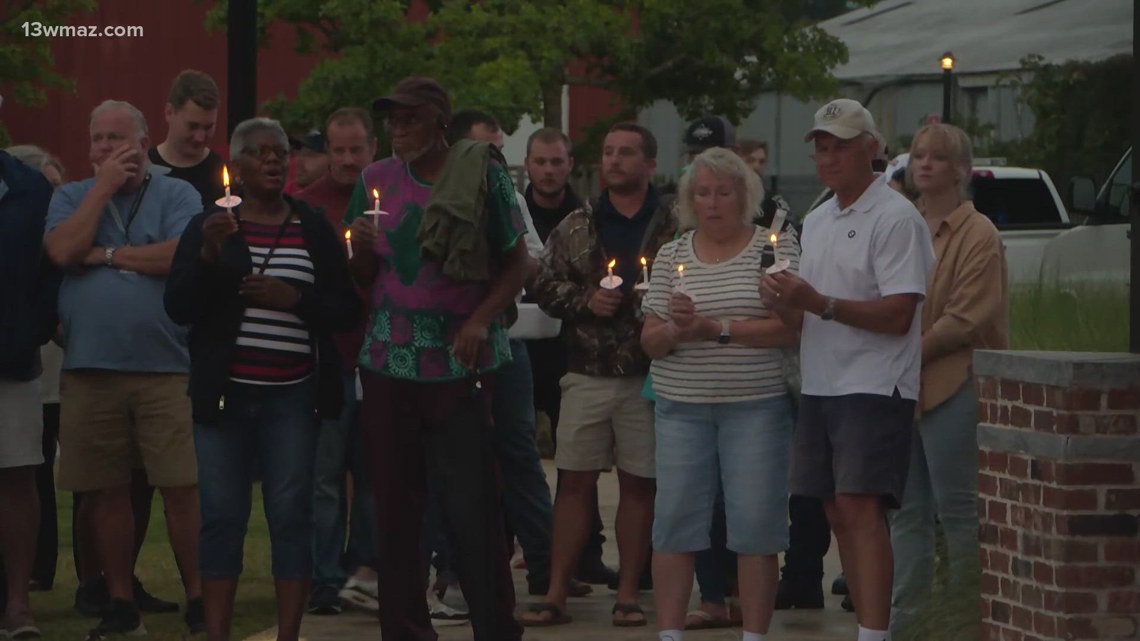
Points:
(362, 594)
(443, 615)
(453, 598)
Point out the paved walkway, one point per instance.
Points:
(592, 613)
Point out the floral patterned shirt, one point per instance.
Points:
(416, 310)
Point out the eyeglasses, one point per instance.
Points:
(266, 151)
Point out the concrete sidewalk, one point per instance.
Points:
(592, 613)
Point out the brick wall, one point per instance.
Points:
(1058, 495)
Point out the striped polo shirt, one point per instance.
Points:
(706, 371)
(274, 347)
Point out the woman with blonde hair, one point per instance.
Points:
(965, 309)
(723, 415)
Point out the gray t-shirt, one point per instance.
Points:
(113, 319)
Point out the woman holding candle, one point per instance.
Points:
(264, 287)
(722, 409)
(965, 309)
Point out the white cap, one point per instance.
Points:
(899, 162)
(843, 118)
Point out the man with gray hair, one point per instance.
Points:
(125, 370)
(857, 302)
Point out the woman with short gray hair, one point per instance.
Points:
(723, 413)
(264, 285)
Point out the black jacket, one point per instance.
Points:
(206, 298)
(29, 282)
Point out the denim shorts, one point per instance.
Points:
(745, 445)
(275, 425)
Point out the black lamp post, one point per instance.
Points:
(947, 62)
(241, 62)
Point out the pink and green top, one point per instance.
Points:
(416, 310)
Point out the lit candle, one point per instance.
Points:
(376, 196)
(348, 241)
(226, 183)
(644, 270)
(611, 268)
(681, 276)
(773, 239)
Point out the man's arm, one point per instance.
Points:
(69, 243)
(556, 290)
(888, 315)
(150, 260)
(504, 286)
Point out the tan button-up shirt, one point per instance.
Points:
(966, 305)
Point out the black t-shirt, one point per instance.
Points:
(206, 176)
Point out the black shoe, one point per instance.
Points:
(195, 616)
(149, 603)
(122, 619)
(92, 598)
(839, 585)
(848, 604)
(325, 599)
(799, 596)
(597, 573)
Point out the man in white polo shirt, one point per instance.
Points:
(858, 302)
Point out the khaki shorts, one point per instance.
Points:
(605, 420)
(109, 419)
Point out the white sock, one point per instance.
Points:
(873, 635)
(670, 635)
(754, 636)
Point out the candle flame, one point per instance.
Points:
(348, 234)
(681, 269)
(773, 239)
(612, 263)
(375, 194)
(643, 261)
(225, 176)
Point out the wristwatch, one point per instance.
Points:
(724, 327)
(109, 256)
(829, 311)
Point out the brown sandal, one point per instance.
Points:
(558, 616)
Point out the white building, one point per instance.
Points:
(893, 68)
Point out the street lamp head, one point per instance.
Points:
(948, 61)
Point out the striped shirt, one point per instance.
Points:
(274, 347)
(707, 371)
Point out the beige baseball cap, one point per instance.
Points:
(843, 118)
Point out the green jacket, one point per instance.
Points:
(453, 231)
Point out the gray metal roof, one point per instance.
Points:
(907, 37)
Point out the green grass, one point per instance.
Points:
(1082, 317)
(255, 602)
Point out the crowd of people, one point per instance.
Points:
(339, 330)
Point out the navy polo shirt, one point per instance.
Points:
(622, 237)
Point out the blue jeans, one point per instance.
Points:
(942, 482)
(742, 447)
(277, 425)
(526, 494)
(340, 449)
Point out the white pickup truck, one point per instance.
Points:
(1100, 249)
(1024, 205)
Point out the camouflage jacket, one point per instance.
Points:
(569, 272)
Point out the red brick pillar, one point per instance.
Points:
(1058, 495)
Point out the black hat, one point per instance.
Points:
(707, 132)
(416, 91)
(314, 140)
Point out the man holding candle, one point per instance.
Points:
(124, 379)
(605, 420)
(351, 144)
(435, 340)
(857, 302)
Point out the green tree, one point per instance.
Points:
(513, 58)
(27, 67)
